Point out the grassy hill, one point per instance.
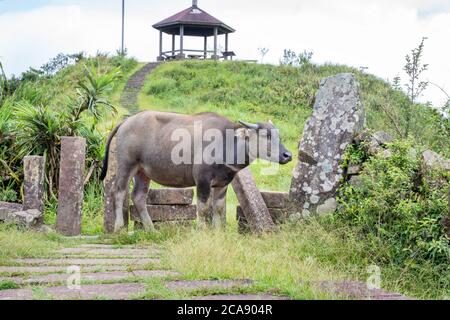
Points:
(283, 94)
(288, 260)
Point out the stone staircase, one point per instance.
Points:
(129, 97)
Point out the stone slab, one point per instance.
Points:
(278, 216)
(7, 207)
(170, 196)
(358, 290)
(206, 284)
(160, 213)
(51, 269)
(277, 200)
(252, 203)
(120, 291)
(90, 277)
(86, 262)
(108, 252)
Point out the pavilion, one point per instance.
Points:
(193, 22)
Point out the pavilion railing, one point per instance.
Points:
(190, 53)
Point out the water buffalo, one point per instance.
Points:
(204, 150)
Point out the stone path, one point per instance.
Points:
(108, 272)
(129, 98)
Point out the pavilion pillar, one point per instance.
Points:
(216, 31)
(160, 44)
(226, 45)
(181, 41)
(173, 45)
(205, 48)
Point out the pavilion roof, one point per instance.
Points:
(196, 21)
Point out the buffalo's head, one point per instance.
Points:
(264, 142)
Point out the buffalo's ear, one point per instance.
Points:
(242, 133)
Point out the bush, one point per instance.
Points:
(398, 205)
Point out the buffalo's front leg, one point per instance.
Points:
(204, 207)
(139, 196)
(219, 218)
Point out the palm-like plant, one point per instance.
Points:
(91, 92)
(37, 130)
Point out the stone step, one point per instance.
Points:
(85, 262)
(358, 290)
(109, 252)
(62, 269)
(90, 277)
(206, 284)
(119, 291)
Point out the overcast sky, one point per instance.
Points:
(373, 33)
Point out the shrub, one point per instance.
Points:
(399, 205)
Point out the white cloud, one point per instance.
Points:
(377, 34)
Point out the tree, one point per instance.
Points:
(262, 52)
(415, 86)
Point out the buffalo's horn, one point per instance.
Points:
(249, 125)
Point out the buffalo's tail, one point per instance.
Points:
(106, 158)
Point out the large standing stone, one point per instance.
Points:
(71, 185)
(33, 188)
(252, 203)
(338, 116)
(110, 189)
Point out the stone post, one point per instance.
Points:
(252, 203)
(110, 188)
(71, 186)
(337, 118)
(33, 186)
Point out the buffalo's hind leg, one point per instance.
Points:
(219, 218)
(122, 184)
(204, 204)
(139, 196)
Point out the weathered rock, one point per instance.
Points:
(7, 207)
(27, 219)
(382, 138)
(337, 118)
(278, 215)
(110, 189)
(356, 181)
(433, 160)
(328, 207)
(33, 186)
(275, 199)
(71, 186)
(160, 213)
(255, 210)
(170, 196)
(353, 170)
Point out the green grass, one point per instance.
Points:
(286, 262)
